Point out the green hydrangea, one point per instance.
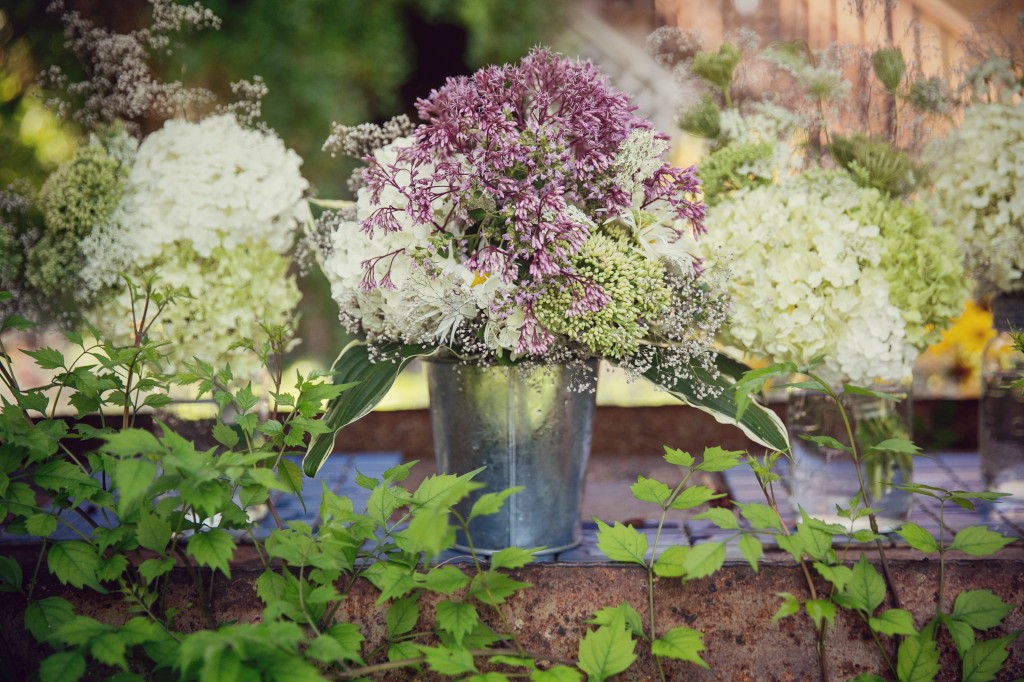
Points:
(82, 192)
(53, 265)
(636, 286)
(922, 264)
(730, 168)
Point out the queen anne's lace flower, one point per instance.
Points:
(977, 192)
(822, 267)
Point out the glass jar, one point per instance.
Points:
(822, 478)
(1001, 407)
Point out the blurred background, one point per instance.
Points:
(352, 61)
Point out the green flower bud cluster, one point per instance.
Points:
(636, 285)
(77, 197)
(723, 170)
(875, 163)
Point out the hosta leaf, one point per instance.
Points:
(759, 423)
(372, 381)
(681, 643)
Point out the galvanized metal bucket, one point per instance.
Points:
(529, 426)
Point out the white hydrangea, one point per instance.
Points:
(229, 294)
(766, 123)
(213, 184)
(805, 278)
(979, 173)
(214, 208)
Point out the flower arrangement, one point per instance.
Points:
(529, 217)
(978, 171)
(828, 256)
(822, 267)
(204, 210)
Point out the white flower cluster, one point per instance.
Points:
(807, 278)
(979, 192)
(423, 296)
(211, 207)
(766, 123)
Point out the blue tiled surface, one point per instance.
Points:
(946, 470)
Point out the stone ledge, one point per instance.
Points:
(733, 608)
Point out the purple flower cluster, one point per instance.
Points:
(518, 165)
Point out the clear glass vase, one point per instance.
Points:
(822, 478)
(528, 425)
(1001, 407)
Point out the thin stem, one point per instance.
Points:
(942, 559)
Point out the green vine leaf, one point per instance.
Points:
(985, 660)
(716, 459)
(133, 477)
(893, 622)
(918, 538)
(10, 575)
(790, 606)
(917, 660)
(681, 643)
(606, 651)
(751, 549)
(722, 518)
(558, 673)
(45, 616)
(622, 543)
(457, 618)
(760, 516)
(74, 563)
(492, 587)
(669, 563)
(838, 576)
(981, 609)
(151, 569)
(152, 532)
(512, 557)
(442, 579)
(328, 649)
(866, 589)
(704, 559)
(678, 457)
(820, 610)
(349, 637)
(961, 633)
(694, 496)
(213, 548)
(402, 616)
(979, 541)
(650, 490)
(448, 661)
(624, 613)
(491, 503)
(63, 666)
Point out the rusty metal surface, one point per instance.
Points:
(733, 608)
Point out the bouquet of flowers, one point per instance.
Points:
(203, 211)
(529, 217)
(828, 256)
(978, 173)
